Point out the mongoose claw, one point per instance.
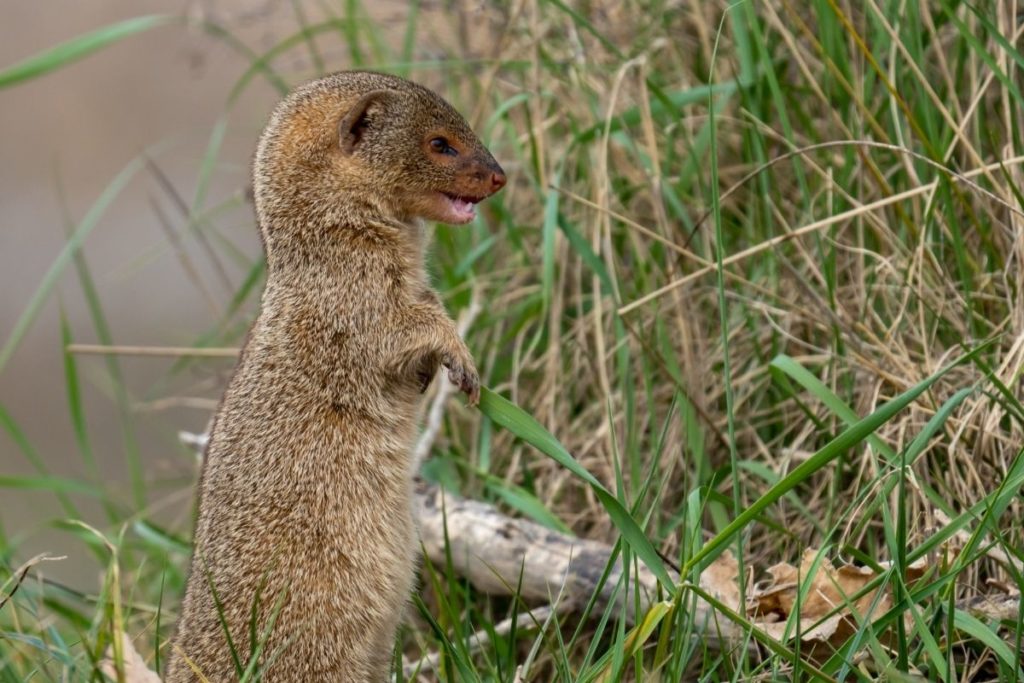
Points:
(464, 376)
(472, 389)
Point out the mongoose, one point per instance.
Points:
(305, 527)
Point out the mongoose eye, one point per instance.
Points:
(441, 146)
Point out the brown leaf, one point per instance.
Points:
(721, 579)
(828, 614)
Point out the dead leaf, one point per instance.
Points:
(828, 612)
(721, 580)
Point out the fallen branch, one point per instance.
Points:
(498, 553)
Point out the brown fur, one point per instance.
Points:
(306, 491)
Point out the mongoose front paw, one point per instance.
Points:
(463, 375)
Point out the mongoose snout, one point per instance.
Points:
(476, 175)
(478, 179)
(305, 545)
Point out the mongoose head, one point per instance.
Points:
(359, 146)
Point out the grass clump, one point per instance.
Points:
(757, 270)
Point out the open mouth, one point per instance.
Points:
(461, 209)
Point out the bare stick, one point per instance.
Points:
(171, 351)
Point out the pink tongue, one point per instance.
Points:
(462, 206)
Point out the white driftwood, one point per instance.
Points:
(133, 667)
(492, 550)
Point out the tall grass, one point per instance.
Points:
(754, 284)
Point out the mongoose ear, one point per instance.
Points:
(355, 122)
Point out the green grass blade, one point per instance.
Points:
(74, 243)
(832, 450)
(127, 421)
(514, 419)
(518, 498)
(409, 40)
(466, 670)
(815, 386)
(75, 398)
(979, 631)
(57, 485)
(18, 436)
(77, 48)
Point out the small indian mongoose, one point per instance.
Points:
(305, 545)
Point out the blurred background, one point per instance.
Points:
(161, 96)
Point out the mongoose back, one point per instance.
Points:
(305, 545)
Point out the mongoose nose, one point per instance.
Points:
(497, 181)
